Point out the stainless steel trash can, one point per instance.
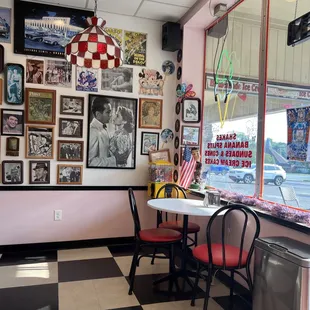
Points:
(281, 274)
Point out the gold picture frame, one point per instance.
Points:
(163, 154)
(68, 178)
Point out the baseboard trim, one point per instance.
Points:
(63, 245)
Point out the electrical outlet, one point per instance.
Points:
(57, 215)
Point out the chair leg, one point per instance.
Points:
(153, 258)
(250, 283)
(209, 281)
(171, 266)
(232, 278)
(133, 268)
(195, 285)
(196, 239)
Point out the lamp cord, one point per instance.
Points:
(296, 5)
(96, 5)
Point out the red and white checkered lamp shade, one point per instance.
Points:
(94, 48)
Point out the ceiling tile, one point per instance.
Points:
(127, 7)
(160, 11)
(71, 3)
(187, 3)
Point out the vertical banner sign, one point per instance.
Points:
(135, 48)
(298, 134)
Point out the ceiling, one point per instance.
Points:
(162, 10)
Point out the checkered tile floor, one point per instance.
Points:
(94, 279)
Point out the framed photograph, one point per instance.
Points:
(12, 122)
(14, 83)
(45, 29)
(58, 73)
(1, 91)
(86, 79)
(117, 79)
(39, 172)
(70, 150)
(5, 18)
(34, 71)
(190, 135)
(112, 128)
(69, 174)
(12, 172)
(39, 142)
(70, 127)
(12, 146)
(149, 142)
(191, 110)
(1, 58)
(150, 115)
(40, 106)
(163, 154)
(70, 105)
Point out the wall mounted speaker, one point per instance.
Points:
(171, 37)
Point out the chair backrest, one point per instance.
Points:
(228, 210)
(134, 211)
(288, 194)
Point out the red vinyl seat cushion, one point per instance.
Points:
(160, 235)
(178, 225)
(231, 255)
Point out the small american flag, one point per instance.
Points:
(188, 168)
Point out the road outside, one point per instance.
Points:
(300, 182)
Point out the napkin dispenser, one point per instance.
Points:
(212, 198)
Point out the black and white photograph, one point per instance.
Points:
(71, 105)
(34, 71)
(112, 128)
(70, 127)
(5, 25)
(117, 79)
(69, 174)
(12, 122)
(70, 150)
(191, 110)
(58, 73)
(12, 172)
(39, 172)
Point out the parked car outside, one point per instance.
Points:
(218, 169)
(272, 174)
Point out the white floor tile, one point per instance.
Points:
(81, 254)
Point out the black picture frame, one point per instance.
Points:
(19, 114)
(44, 41)
(6, 176)
(77, 134)
(12, 146)
(45, 163)
(1, 58)
(144, 133)
(10, 82)
(194, 110)
(115, 102)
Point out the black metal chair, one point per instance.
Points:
(193, 228)
(155, 238)
(222, 256)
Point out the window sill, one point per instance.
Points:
(298, 227)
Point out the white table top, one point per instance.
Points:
(182, 206)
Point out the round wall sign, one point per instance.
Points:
(177, 125)
(180, 55)
(176, 142)
(179, 73)
(176, 159)
(168, 67)
(177, 108)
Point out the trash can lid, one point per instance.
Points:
(292, 250)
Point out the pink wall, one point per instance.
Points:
(28, 217)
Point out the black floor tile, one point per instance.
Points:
(128, 250)
(88, 269)
(18, 258)
(30, 297)
(130, 308)
(239, 303)
(147, 293)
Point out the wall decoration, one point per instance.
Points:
(39, 172)
(149, 142)
(191, 110)
(150, 113)
(177, 126)
(179, 73)
(1, 58)
(177, 108)
(176, 142)
(58, 73)
(151, 83)
(70, 150)
(40, 106)
(86, 79)
(176, 159)
(190, 135)
(185, 91)
(167, 135)
(163, 154)
(1, 91)
(39, 142)
(5, 25)
(112, 128)
(135, 48)
(71, 105)
(69, 174)
(44, 29)
(180, 55)
(14, 83)
(34, 71)
(117, 79)
(168, 67)
(12, 122)
(70, 128)
(12, 146)
(117, 34)
(12, 172)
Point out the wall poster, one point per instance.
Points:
(116, 33)
(135, 48)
